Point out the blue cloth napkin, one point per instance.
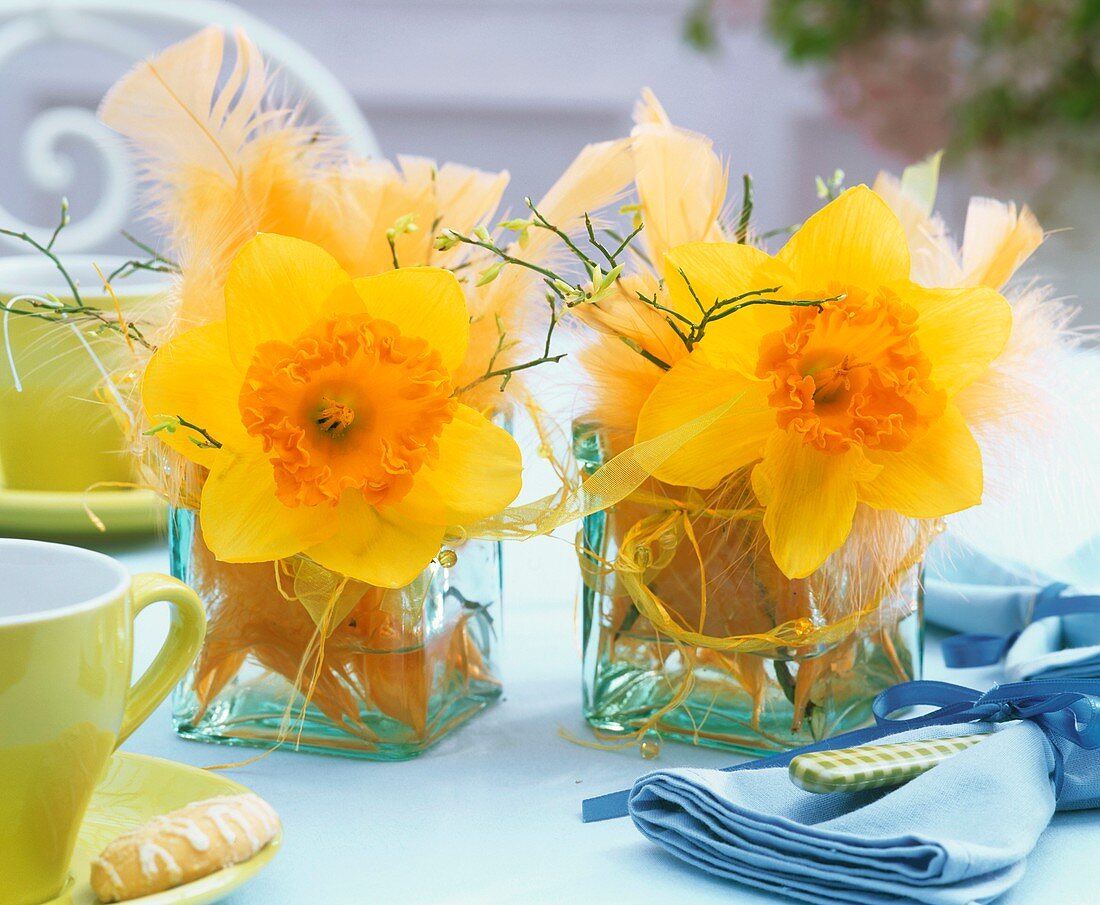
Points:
(1059, 647)
(1039, 630)
(958, 834)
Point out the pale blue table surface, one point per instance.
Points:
(492, 815)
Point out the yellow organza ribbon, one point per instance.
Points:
(609, 485)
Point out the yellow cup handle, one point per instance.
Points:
(185, 636)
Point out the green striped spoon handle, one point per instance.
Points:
(874, 766)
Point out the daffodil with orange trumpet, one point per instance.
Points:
(325, 411)
(833, 404)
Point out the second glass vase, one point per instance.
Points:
(640, 682)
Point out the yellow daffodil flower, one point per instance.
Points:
(324, 409)
(847, 402)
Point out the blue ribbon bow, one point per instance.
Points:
(1067, 709)
(963, 651)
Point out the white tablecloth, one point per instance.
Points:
(492, 815)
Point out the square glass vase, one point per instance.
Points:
(638, 682)
(400, 671)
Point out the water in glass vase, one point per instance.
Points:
(398, 672)
(748, 695)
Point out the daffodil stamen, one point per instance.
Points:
(335, 418)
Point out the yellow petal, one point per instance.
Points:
(937, 474)
(855, 240)
(478, 473)
(276, 288)
(932, 253)
(378, 546)
(809, 499)
(192, 377)
(692, 388)
(714, 271)
(422, 301)
(960, 330)
(242, 519)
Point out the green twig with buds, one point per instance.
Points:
(155, 261)
(747, 202)
(51, 309)
(401, 226)
(171, 423)
(723, 308)
(506, 373)
(449, 238)
(830, 189)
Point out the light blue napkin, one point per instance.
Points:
(1061, 647)
(968, 593)
(958, 834)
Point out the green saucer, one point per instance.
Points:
(54, 514)
(135, 790)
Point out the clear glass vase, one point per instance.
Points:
(402, 669)
(640, 682)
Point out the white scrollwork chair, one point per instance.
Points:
(116, 26)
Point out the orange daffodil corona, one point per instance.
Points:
(831, 406)
(333, 427)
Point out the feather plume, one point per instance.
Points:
(219, 163)
(597, 178)
(996, 241)
(681, 185)
(1038, 424)
(648, 110)
(173, 107)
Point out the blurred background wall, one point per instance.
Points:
(522, 85)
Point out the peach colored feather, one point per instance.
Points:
(220, 163)
(681, 182)
(596, 178)
(172, 104)
(997, 239)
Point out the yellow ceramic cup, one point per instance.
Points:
(66, 702)
(55, 434)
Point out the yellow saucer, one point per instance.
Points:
(50, 514)
(136, 789)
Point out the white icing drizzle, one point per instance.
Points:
(148, 852)
(223, 813)
(217, 814)
(262, 811)
(109, 869)
(231, 816)
(186, 828)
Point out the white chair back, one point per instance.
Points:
(116, 26)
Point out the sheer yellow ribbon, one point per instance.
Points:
(612, 483)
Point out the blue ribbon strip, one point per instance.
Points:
(963, 651)
(1066, 709)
